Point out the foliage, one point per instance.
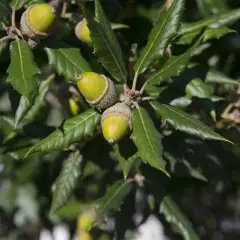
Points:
(175, 79)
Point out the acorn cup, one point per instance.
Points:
(82, 32)
(116, 122)
(37, 21)
(98, 90)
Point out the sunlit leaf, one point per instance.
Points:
(185, 122)
(161, 35)
(147, 139)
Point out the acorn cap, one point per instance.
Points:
(31, 31)
(108, 97)
(116, 122)
(82, 31)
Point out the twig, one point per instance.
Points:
(143, 88)
(64, 13)
(56, 3)
(134, 85)
(5, 38)
(13, 18)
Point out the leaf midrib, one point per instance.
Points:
(58, 136)
(148, 138)
(178, 58)
(192, 121)
(149, 49)
(21, 64)
(123, 76)
(67, 57)
(114, 195)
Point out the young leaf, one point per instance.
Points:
(198, 88)
(175, 216)
(214, 76)
(126, 164)
(67, 61)
(72, 130)
(112, 200)
(173, 67)
(161, 35)
(105, 43)
(66, 181)
(219, 20)
(147, 139)
(23, 70)
(185, 122)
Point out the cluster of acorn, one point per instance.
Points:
(38, 20)
(100, 92)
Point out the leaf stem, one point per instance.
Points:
(134, 85)
(147, 99)
(13, 18)
(143, 88)
(5, 38)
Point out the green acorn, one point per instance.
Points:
(82, 32)
(116, 122)
(98, 90)
(37, 21)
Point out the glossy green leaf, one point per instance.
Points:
(210, 33)
(161, 35)
(21, 110)
(67, 61)
(23, 70)
(184, 122)
(38, 104)
(216, 33)
(214, 76)
(71, 210)
(198, 88)
(72, 130)
(112, 200)
(175, 216)
(105, 43)
(181, 102)
(147, 139)
(173, 67)
(188, 31)
(66, 180)
(125, 163)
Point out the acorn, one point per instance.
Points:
(86, 220)
(37, 21)
(73, 106)
(98, 90)
(82, 32)
(116, 122)
(82, 235)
